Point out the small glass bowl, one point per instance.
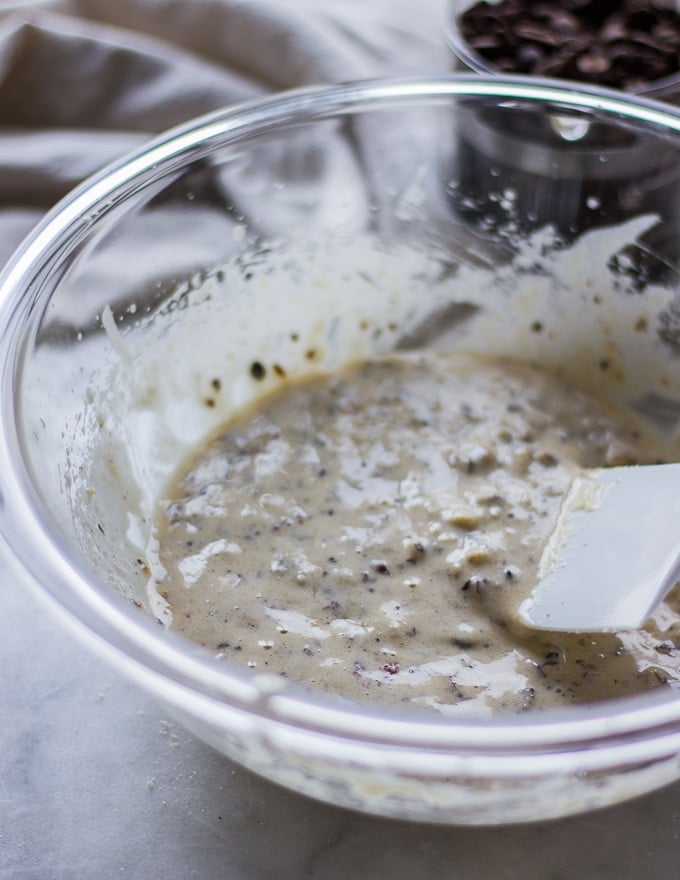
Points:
(465, 57)
(535, 157)
(172, 266)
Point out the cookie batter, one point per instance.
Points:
(372, 532)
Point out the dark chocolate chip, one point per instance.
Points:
(626, 44)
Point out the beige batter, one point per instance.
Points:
(372, 533)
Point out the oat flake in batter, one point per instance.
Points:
(371, 533)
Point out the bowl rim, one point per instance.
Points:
(166, 663)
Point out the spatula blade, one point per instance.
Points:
(614, 553)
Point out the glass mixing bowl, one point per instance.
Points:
(311, 229)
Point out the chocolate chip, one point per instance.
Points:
(594, 62)
(626, 44)
(257, 371)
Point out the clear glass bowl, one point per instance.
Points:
(175, 266)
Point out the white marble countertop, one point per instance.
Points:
(97, 782)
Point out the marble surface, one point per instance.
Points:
(97, 782)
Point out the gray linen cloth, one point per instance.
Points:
(84, 81)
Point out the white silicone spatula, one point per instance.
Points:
(614, 553)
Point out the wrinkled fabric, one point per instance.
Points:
(82, 82)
